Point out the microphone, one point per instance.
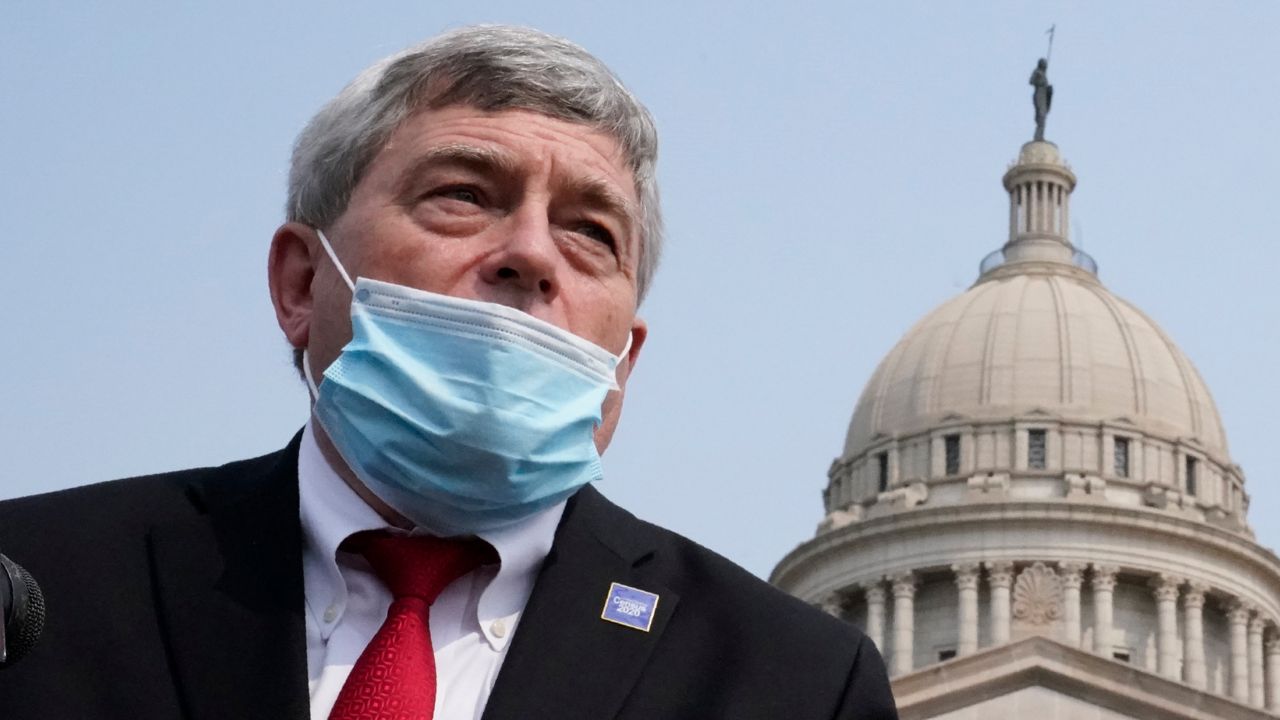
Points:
(21, 612)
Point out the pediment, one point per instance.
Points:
(1041, 668)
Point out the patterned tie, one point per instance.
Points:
(395, 676)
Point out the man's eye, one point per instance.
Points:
(598, 232)
(461, 194)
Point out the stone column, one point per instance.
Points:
(1104, 585)
(1257, 690)
(1000, 578)
(1193, 667)
(1072, 574)
(904, 592)
(1238, 620)
(1272, 649)
(967, 583)
(1013, 213)
(875, 613)
(1165, 588)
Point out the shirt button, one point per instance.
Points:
(331, 613)
(498, 628)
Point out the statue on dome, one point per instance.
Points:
(1042, 97)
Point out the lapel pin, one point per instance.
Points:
(629, 606)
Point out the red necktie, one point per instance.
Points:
(395, 676)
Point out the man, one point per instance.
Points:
(471, 226)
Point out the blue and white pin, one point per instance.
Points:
(630, 606)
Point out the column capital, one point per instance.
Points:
(966, 575)
(1257, 624)
(1194, 597)
(1165, 587)
(1000, 574)
(1104, 577)
(904, 584)
(1238, 612)
(1071, 574)
(874, 591)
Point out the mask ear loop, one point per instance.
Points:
(626, 348)
(324, 242)
(306, 373)
(617, 360)
(306, 359)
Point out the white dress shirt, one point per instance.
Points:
(472, 621)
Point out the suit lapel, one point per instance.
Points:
(229, 581)
(565, 662)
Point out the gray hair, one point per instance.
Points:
(491, 68)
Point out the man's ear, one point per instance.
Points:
(290, 270)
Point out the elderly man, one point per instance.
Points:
(471, 226)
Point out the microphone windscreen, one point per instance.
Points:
(25, 620)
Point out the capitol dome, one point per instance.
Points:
(1052, 340)
(1036, 496)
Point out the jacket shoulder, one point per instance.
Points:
(130, 503)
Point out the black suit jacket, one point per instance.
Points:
(181, 596)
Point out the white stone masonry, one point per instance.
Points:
(1103, 583)
(1193, 665)
(1238, 621)
(875, 613)
(1072, 574)
(1166, 593)
(904, 592)
(1000, 578)
(967, 584)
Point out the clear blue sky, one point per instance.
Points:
(831, 171)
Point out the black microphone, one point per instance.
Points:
(22, 606)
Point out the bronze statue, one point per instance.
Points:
(1042, 97)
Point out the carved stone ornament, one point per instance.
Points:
(875, 593)
(1165, 587)
(904, 585)
(1071, 574)
(1238, 613)
(1000, 574)
(833, 604)
(1194, 597)
(1272, 648)
(1037, 595)
(1104, 577)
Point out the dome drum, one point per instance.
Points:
(1035, 458)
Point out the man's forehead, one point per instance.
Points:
(589, 162)
(489, 134)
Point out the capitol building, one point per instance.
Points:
(1036, 514)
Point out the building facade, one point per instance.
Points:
(1035, 508)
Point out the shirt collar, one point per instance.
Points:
(331, 512)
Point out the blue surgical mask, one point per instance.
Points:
(461, 415)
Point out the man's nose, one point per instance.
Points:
(523, 269)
